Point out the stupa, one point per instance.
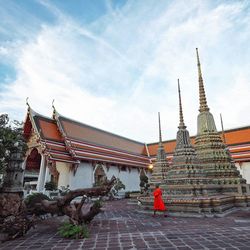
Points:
(159, 172)
(161, 166)
(202, 180)
(185, 172)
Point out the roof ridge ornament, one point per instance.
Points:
(182, 124)
(53, 104)
(54, 109)
(202, 94)
(27, 103)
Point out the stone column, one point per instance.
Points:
(47, 175)
(40, 181)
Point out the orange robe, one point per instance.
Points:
(158, 202)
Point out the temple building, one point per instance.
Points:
(77, 155)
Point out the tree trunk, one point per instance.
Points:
(63, 205)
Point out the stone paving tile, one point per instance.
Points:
(121, 227)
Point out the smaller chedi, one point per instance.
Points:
(161, 166)
(202, 179)
(11, 192)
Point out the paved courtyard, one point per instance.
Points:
(121, 227)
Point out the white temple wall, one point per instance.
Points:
(244, 168)
(83, 176)
(64, 174)
(112, 171)
(131, 179)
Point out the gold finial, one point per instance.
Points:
(203, 101)
(160, 138)
(27, 103)
(54, 109)
(222, 130)
(53, 104)
(181, 125)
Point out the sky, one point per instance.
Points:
(114, 64)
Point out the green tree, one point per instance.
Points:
(11, 136)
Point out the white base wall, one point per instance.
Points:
(131, 179)
(244, 169)
(83, 177)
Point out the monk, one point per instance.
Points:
(158, 202)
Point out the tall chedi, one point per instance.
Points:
(185, 181)
(161, 164)
(184, 172)
(184, 152)
(223, 177)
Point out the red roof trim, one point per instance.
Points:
(108, 149)
(62, 160)
(110, 157)
(114, 162)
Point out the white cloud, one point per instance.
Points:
(118, 72)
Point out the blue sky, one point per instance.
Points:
(115, 64)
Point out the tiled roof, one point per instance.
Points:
(238, 136)
(48, 128)
(86, 133)
(89, 143)
(169, 147)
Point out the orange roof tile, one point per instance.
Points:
(233, 137)
(49, 129)
(169, 147)
(83, 132)
(237, 136)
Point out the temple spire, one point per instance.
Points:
(160, 138)
(182, 124)
(203, 100)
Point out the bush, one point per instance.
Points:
(68, 230)
(97, 204)
(64, 190)
(33, 199)
(50, 186)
